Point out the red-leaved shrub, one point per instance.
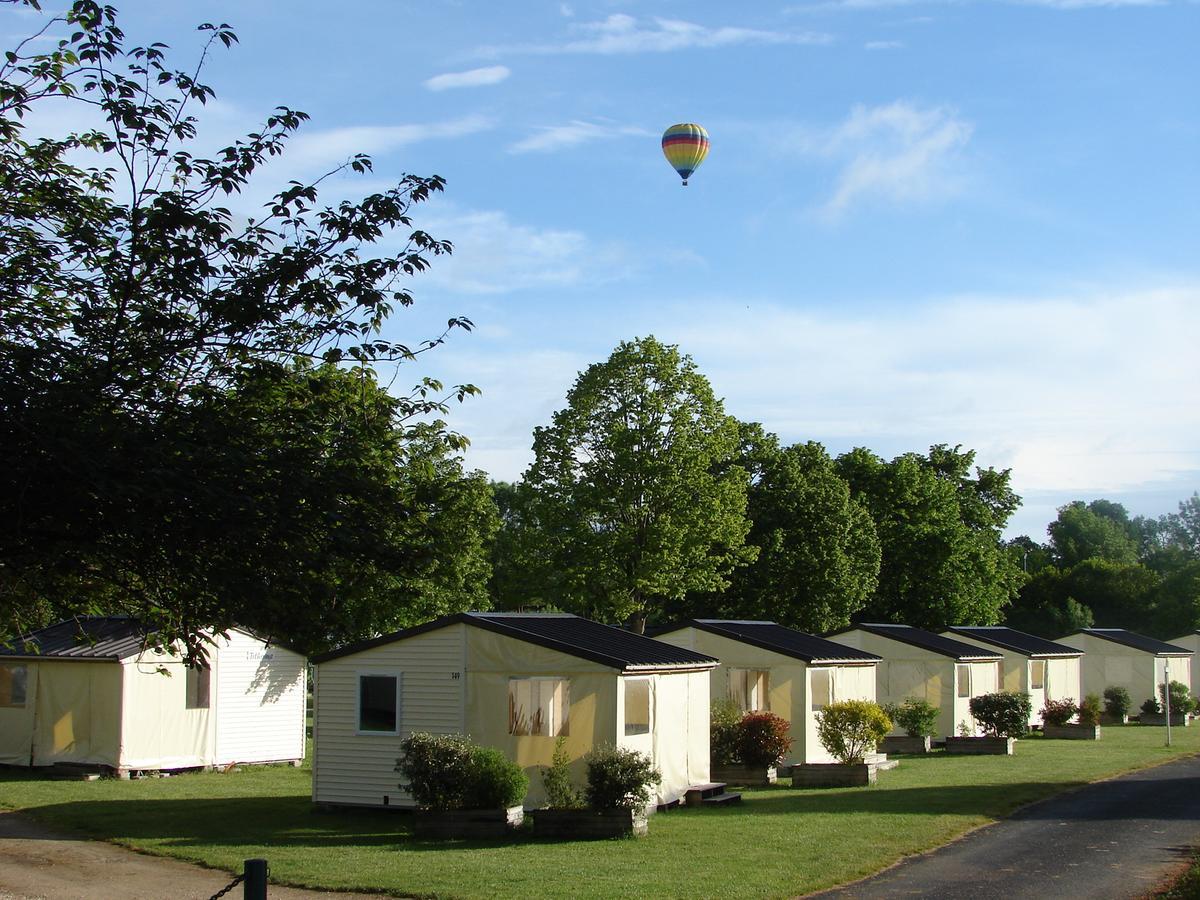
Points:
(762, 739)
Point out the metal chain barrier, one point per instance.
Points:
(229, 887)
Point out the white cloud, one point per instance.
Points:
(857, 5)
(472, 78)
(317, 148)
(883, 45)
(899, 153)
(621, 33)
(558, 137)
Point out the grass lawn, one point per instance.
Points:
(779, 842)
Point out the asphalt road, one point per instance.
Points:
(1115, 839)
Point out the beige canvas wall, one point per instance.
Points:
(1190, 641)
(678, 739)
(1109, 664)
(77, 712)
(16, 722)
(158, 731)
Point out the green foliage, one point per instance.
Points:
(917, 716)
(635, 499)
(852, 728)
(1099, 530)
(1089, 710)
(724, 717)
(620, 779)
(762, 739)
(178, 444)
(556, 779)
(939, 530)
(494, 781)
(1003, 713)
(818, 555)
(1117, 702)
(1059, 712)
(1181, 698)
(435, 768)
(1150, 707)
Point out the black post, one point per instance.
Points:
(255, 884)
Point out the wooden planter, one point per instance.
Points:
(1072, 732)
(1106, 719)
(588, 823)
(467, 823)
(834, 775)
(981, 746)
(904, 743)
(1161, 719)
(736, 773)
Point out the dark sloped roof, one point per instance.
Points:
(576, 636)
(1017, 641)
(776, 637)
(109, 638)
(926, 640)
(1138, 641)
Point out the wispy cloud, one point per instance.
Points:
(558, 137)
(854, 5)
(334, 145)
(883, 45)
(472, 78)
(621, 33)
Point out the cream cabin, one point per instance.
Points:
(1115, 657)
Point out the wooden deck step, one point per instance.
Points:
(698, 793)
(722, 799)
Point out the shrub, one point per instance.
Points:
(494, 781)
(1003, 713)
(762, 739)
(1150, 707)
(723, 732)
(436, 767)
(851, 729)
(1059, 712)
(556, 778)
(1181, 697)
(1117, 702)
(1089, 710)
(619, 779)
(917, 717)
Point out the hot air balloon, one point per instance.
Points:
(685, 146)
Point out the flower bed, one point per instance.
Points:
(588, 823)
(467, 823)
(736, 773)
(1072, 732)
(981, 746)
(834, 775)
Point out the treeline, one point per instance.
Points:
(1101, 567)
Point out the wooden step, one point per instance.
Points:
(698, 793)
(722, 799)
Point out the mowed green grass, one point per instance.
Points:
(779, 842)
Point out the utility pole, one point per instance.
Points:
(1167, 695)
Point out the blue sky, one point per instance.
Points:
(960, 222)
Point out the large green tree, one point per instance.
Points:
(145, 326)
(635, 497)
(1097, 530)
(818, 554)
(939, 520)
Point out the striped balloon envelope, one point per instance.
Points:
(685, 146)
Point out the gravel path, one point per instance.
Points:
(38, 864)
(1116, 839)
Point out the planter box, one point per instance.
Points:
(1161, 719)
(1072, 732)
(834, 775)
(739, 774)
(467, 823)
(1106, 719)
(902, 743)
(588, 823)
(981, 746)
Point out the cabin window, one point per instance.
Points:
(378, 704)
(637, 706)
(12, 685)
(822, 688)
(538, 706)
(198, 681)
(1037, 675)
(963, 677)
(749, 689)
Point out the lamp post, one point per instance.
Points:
(1167, 695)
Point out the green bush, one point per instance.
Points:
(723, 732)
(1150, 707)
(1059, 712)
(494, 781)
(1002, 713)
(762, 739)
(1181, 698)
(556, 778)
(916, 716)
(1089, 710)
(436, 768)
(619, 779)
(851, 729)
(1117, 702)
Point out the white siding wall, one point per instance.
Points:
(355, 769)
(258, 697)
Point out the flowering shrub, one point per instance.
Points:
(1059, 712)
(1003, 713)
(619, 779)
(762, 739)
(851, 729)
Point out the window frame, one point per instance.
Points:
(1033, 665)
(197, 683)
(827, 671)
(959, 670)
(12, 668)
(358, 679)
(564, 715)
(760, 691)
(649, 706)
